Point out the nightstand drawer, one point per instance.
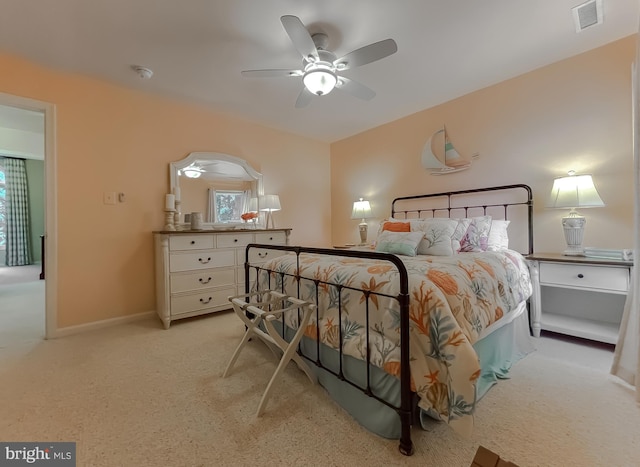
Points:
(609, 278)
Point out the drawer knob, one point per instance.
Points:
(580, 276)
(263, 255)
(193, 242)
(204, 261)
(270, 238)
(202, 281)
(235, 239)
(204, 302)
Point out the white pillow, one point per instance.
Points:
(399, 243)
(498, 237)
(437, 238)
(425, 247)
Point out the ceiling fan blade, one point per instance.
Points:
(300, 37)
(304, 98)
(355, 89)
(275, 73)
(367, 54)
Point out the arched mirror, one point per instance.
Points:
(219, 186)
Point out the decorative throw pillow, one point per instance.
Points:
(396, 226)
(476, 237)
(437, 238)
(498, 237)
(399, 243)
(383, 223)
(461, 228)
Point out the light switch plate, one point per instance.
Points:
(109, 197)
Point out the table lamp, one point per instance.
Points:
(362, 210)
(269, 204)
(574, 191)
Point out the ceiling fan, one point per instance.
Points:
(321, 68)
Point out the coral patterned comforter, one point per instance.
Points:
(453, 299)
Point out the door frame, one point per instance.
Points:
(51, 204)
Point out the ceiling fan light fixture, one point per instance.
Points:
(192, 172)
(320, 81)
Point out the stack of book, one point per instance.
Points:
(624, 255)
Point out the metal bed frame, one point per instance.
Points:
(408, 399)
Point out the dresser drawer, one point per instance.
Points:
(258, 255)
(234, 240)
(202, 259)
(608, 278)
(191, 242)
(183, 282)
(271, 238)
(202, 300)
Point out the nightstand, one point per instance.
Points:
(578, 296)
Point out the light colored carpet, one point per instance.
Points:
(139, 395)
(19, 274)
(22, 306)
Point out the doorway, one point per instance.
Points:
(29, 302)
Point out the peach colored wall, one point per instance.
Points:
(574, 114)
(114, 139)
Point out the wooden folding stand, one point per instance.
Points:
(271, 305)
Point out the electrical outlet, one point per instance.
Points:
(109, 197)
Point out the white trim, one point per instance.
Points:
(105, 323)
(51, 207)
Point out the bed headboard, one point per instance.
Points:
(508, 202)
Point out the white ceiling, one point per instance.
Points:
(197, 49)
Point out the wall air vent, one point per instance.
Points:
(588, 14)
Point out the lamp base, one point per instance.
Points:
(270, 221)
(573, 226)
(363, 233)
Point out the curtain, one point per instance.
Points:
(246, 201)
(626, 360)
(211, 206)
(18, 248)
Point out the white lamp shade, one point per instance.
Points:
(270, 203)
(574, 191)
(319, 81)
(361, 210)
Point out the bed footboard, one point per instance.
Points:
(407, 397)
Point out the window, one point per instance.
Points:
(229, 206)
(3, 209)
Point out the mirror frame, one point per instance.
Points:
(175, 167)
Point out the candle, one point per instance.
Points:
(169, 201)
(176, 192)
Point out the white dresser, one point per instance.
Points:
(196, 271)
(578, 296)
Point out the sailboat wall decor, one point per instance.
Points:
(440, 157)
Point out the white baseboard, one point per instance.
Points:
(70, 330)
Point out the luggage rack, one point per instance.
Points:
(263, 307)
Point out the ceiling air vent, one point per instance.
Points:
(588, 14)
